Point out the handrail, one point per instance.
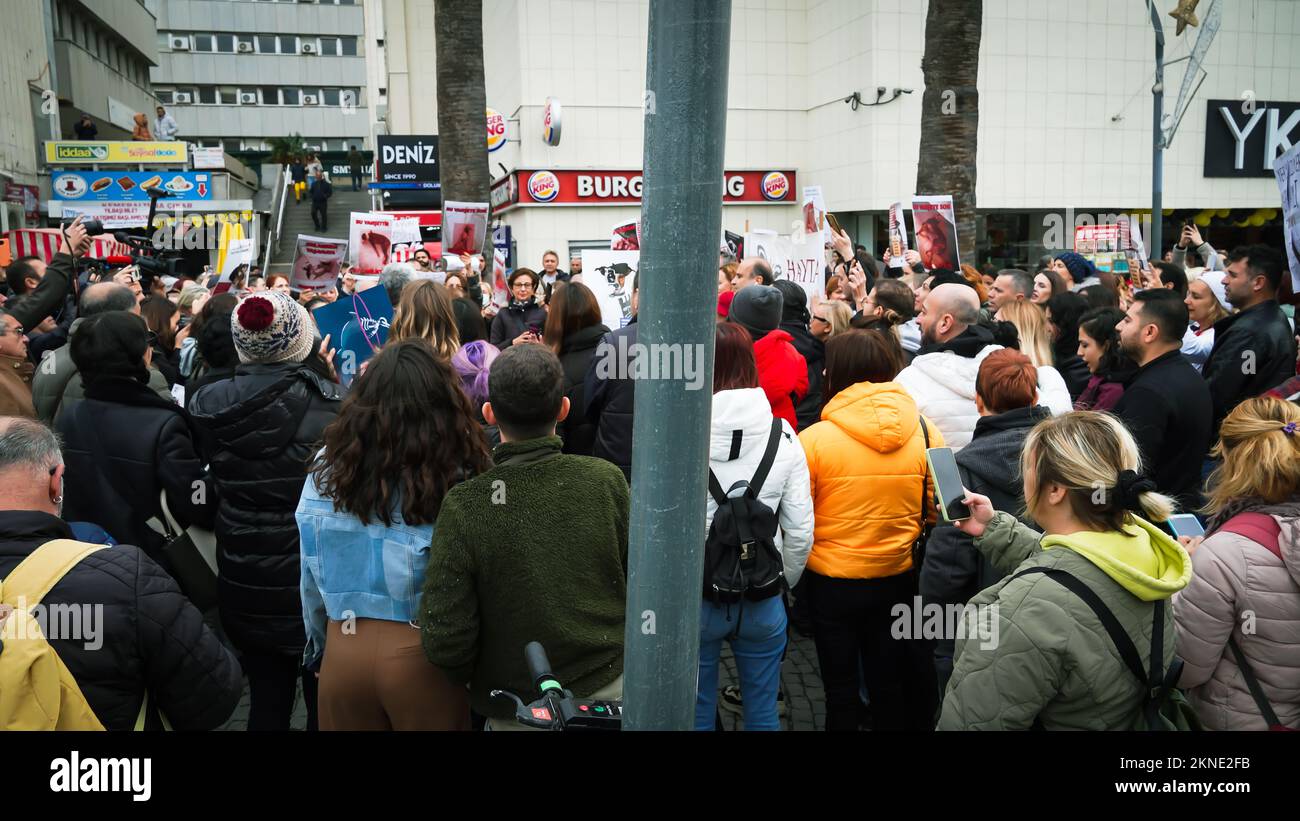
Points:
(273, 240)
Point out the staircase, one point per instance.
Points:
(297, 220)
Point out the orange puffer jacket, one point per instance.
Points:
(866, 462)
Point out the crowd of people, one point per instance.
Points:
(387, 549)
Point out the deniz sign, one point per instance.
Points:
(406, 161)
(1243, 137)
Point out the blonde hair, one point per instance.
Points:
(1031, 324)
(840, 315)
(425, 312)
(1259, 458)
(1086, 451)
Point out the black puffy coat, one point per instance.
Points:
(809, 409)
(610, 393)
(265, 425)
(124, 444)
(1260, 335)
(513, 320)
(579, 432)
(152, 637)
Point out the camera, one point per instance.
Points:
(93, 227)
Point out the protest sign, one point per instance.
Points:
(935, 224)
(814, 214)
(238, 252)
(733, 245)
(317, 262)
(500, 292)
(1287, 170)
(800, 259)
(897, 236)
(370, 241)
(609, 275)
(357, 326)
(464, 227)
(626, 236)
(1104, 245)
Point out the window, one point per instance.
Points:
(265, 44)
(226, 43)
(288, 44)
(292, 96)
(207, 95)
(229, 145)
(349, 45)
(203, 42)
(270, 95)
(329, 96)
(164, 95)
(228, 95)
(329, 46)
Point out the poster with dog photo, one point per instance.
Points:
(609, 275)
(935, 223)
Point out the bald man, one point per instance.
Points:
(953, 344)
(752, 271)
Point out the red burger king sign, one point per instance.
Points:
(590, 186)
(543, 186)
(496, 130)
(775, 186)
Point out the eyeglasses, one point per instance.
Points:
(523, 283)
(15, 331)
(821, 319)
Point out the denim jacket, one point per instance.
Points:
(351, 570)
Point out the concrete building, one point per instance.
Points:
(239, 73)
(1065, 112)
(24, 63)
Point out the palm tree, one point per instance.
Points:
(950, 110)
(283, 149)
(462, 99)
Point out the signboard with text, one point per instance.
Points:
(1244, 137)
(120, 186)
(86, 152)
(585, 187)
(408, 161)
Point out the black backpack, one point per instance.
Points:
(740, 556)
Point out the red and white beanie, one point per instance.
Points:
(270, 326)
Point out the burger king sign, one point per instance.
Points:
(543, 186)
(496, 130)
(775, 186)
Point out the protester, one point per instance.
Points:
(1006, 395)
(277, 282)
(425, 312)
(973, 278)
(1257, 335)
(16, 370)
(610, 390)
(423, 262)
(215, 355)
(573, 331)
(1099, 296)
(472, 363)
(941, 380)
(1166, 405)
(1241, 610)
(1047, 284)
(1063, 314)
(475, 614)
(523, 320)
(782, 371)
(795, 320)
(839, 318)
(469, 320)
(726, 273)
(752, 271)
(191, 301)
(124, 445)
(1075, 270)
(551, 272)
(264, 424)
(866, 460)
(1054, 665)
(365, 543)
(163, 318)
(742, 440)
(1207, 303)
(1190, 240)
(1171, 276)
(1010, 285)
(1100, 350)
(395, 277)
(150, 653)
(321, 191)
(1035, 340)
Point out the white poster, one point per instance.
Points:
(897, 236)
(370, 241)
(814, 214)
(626, 236)
(238, 252)
(464, 227)
(609, 275)
(317, 262)
(500, 292)
(803, 262)
(1287, 170)
(935, 224)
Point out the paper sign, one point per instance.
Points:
(626, 236)
(897, 236)
(814, 214)
(500, 291)
(800, 259)
(464, 227)
(935, 223)
(357, 326)
(317, 262)
(370, 241)
(1287, 170)
(609, 275)
(238, 252)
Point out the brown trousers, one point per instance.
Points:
(377, 678)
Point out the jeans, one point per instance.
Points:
(273, 688)
(758, 645)
(852, 623)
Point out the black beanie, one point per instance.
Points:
(757, 308)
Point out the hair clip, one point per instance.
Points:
(1289, 428)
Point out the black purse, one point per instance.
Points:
(195, 573)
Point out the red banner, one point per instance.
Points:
(585, 187)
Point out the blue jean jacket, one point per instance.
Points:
(351, 570)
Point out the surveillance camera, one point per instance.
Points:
(880, 92)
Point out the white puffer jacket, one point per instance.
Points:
(943, 385)
(786, 490)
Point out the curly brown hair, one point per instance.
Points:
(405, 435)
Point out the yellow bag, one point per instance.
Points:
(37, 691)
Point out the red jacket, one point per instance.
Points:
(782, 374)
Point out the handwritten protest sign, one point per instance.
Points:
(798, 258)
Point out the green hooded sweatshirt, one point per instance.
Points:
(1040, 652)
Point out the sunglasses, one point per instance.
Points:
(822, 319)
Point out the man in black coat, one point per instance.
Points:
(794, 321)
(142, 634)
(1166, 405)
(1254, 349)
(610, 392)
(321, 191)
(264, 426)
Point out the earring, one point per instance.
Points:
(58, 500)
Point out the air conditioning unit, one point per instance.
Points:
(245, 48)
(310, 99)
(248, 99)
(308, 48)
(182, 97)
(180, 44)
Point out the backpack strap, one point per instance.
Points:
(1259, 528)
(715, 490)
(769, 456)
(1252, 684)
(42, 569)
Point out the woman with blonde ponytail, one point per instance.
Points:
(1241, 613)
(1041, 656)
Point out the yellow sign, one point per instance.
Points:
(68, 152)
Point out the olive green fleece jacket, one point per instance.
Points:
(535, 549)
(1043, 654)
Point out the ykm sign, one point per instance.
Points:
(1243, 137)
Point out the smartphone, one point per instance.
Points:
(947, 482)
(835, 224)
(1185, 524)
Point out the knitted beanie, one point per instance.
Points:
(1079, 268)
(269, 327)
(757, 307)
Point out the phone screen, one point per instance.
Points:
(1185, 524)
(947, 481)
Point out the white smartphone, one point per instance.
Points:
(947, 482)
(1185, 524)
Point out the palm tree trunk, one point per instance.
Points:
(950, 111)
(462, 101)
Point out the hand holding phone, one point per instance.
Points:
(947, 484)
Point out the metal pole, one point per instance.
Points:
(1158, 138)
(685, 133)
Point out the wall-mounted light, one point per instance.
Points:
(854, 100)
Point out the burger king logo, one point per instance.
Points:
(496, 130)
(543, 186)
(775, 186)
